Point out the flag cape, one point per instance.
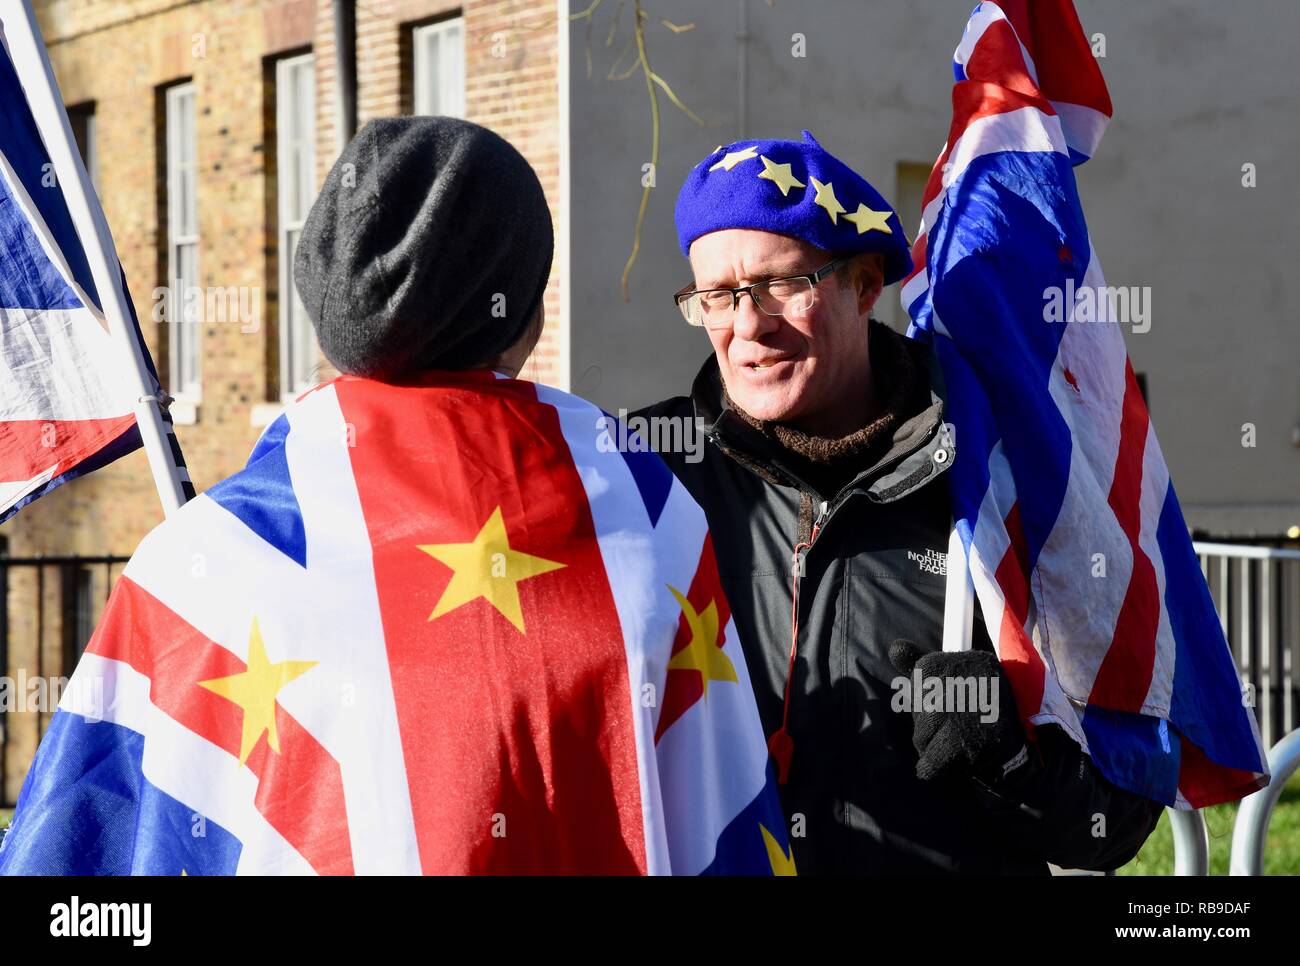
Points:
(65, 406)
(439, 628)
(1078, 551)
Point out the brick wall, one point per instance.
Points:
(118, 54)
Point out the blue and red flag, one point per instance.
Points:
(440, 628)
(66, 405)
(1077, 547)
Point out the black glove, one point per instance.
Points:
(993, 751)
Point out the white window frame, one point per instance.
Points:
(177, 327)
(291, 218)
(451, 74)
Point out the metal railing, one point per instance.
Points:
(1256, 592)
(48, 609)
(1250, 831)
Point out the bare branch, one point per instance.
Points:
(614, 21)
(654, 146)
(619, 59)
(587, 15)
(673, 97)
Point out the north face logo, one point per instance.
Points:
(930, 562)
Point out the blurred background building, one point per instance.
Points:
(208, 126)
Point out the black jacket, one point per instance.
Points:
(875, 572)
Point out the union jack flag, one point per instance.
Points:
(66, 404)
(1076, 545)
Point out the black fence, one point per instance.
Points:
(48, 610)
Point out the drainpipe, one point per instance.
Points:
(345, 57)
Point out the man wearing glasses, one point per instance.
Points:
(823, 485)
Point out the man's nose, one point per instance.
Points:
(749, 323)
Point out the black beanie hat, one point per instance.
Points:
(428, 248)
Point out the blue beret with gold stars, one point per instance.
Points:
(793, 188)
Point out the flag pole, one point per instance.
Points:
(32, 62)
(958, 598)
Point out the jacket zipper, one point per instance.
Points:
(781, 746)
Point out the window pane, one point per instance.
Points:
(307, 156)
(453, 73)
(181, 153)
(296, 174)
(439, 80)
(186, 107)
(183, 227)
(297, 115)
(302, 345)
(185, 332)
(432, 75)
(190, 209)
(187, 214)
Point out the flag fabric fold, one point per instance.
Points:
(438, 628)
(1078, 551)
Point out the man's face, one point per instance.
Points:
(804, 368)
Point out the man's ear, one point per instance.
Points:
(869, 280)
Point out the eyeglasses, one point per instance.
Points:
(715, 308)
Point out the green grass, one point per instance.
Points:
(1281, 851)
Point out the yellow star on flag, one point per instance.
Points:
(780, 175)
(733, 158)
(868, 220)
(782, 864)
(255, 690)
(826, 198)
(702, 653)
(487, 567)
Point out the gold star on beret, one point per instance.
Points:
(779, 174)
(826, 198)
(868, 220)
(734, 158)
